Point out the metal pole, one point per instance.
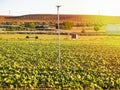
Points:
(9, 12)
(58, 28)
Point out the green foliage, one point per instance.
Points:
(34, 64)
(97, 27)
(30, 25)
(66, 25)
(10, 23)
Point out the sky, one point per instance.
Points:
(91, 7)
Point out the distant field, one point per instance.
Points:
(87, 63)
(95, 38)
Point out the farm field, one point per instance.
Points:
(88, 63)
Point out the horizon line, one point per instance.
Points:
(60, 14)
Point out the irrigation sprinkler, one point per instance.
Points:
(58, 30)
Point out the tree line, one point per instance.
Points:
(46, 25)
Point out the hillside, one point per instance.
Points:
(76, 19)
